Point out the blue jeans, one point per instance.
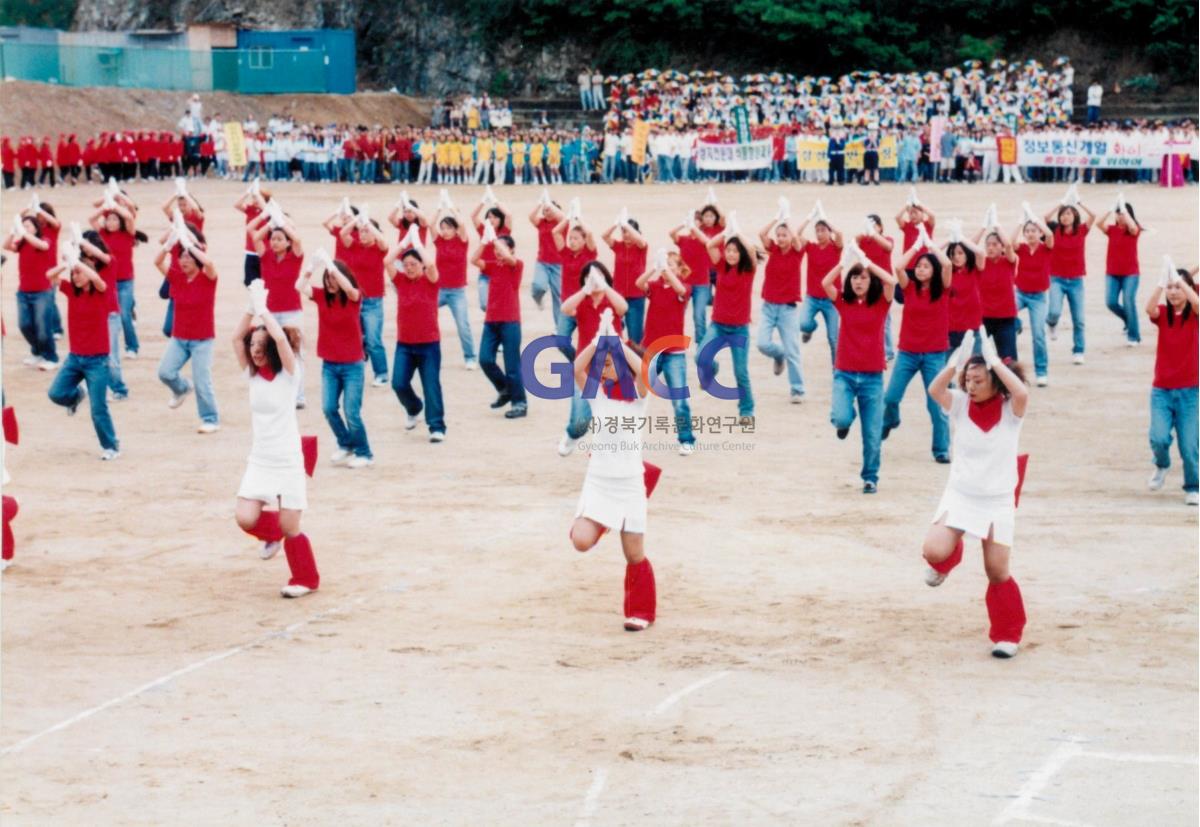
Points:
(1036, 303)
(425, 360)
(906, 170)
(565, 327)
(484, 281)
(786, 319)
(673, 368)
(867, 390)
(635, 318)
(889, 347)
(1175, 409)
(1072, 289)
(115, 380)
(169, 318)
(741, 363)
(580, 417)
(343, 382)
(506, 335)
(35, 322)
(908, 365)
(1121, 298)
(456, 299)
(94, 371)
(664, 169)
(251, 170)
(200, 351)
(812, 306)
(701, 299)
(371, 314)
(547, 278)
(126, 300)
(610, 165)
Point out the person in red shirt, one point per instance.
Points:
(280, 256)
(1068, 267)
(997, 291)
(1121, 268)
(116, 223)
(924, 338)
(693, 248)
(781, 302)
(340, 349)
(66, 158)
(576, 249)
(501, 224)
(878, 248)
(8, 162)
(46, 161)
(1173, 308)
(418, 340)
(862, 305)
(35, 296)
(667, 291)
(89, 159)
(186, 203)
(1032, 242)
(547, 270)
(822, 256)
(910, 218)
(502, 327)
(629, 262)
(735, 262)
(251, 205)
(966, 311)
(27, 161)
(87, 329)
(193, 290)
(450, 246)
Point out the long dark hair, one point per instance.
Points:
(874, 291)
(499, 213)
(1054, 225)
(199, 236)
(935, 281)
(348, 276)
(404, 222)
(594, 265)
(977, 361)
(745, 262)
(1187, 307)
(1132, 216)
(273, 358)
(970, 253)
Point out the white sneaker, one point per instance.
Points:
(1132, 343)
(294, 591)
(208, 428)
(269, 550)
(177, 398)
(131, 354)
(1077, 358)
(1191, 498)
(471, 366)
(934, 578)
(340, 456)
(31, 361)
(1157, 479)
(410, 421)
(797, 398)
(437, 436)
(47, 365)
(1043, 381)
(379, 382)
(360, 462)
(565, 446)
(686, 449)
(108, 454)
(636, 624)
(1004, 649)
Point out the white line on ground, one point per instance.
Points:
(1142, 758)
(1057, 760)
(592, 799)
(674, 697)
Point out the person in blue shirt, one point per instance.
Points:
(837, 157)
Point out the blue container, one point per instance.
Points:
(335, 70)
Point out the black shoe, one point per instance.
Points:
(501, 400)
(870, 488)
(841, 432)
(806, 337)
(516, 411)
(778, 366)
(941, 459)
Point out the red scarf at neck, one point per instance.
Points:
(986, 414)
(266, 373)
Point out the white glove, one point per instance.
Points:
(76, 233)
(606, 322)
(869, 227)
(180, 188)
(364, 215)
(413, 237)
(1120, 207)
(1027, 212)
(660, 259)
(990, 218)
(784, 215)
(108, 203)
(962, 354)
(71, 258)
(322, 262)
(574, 212)
(987, 348)
(819, 211)
(258, 297)
(689, 220)
(111, 189)
(444, 201)
(956, 230)
(710, 199)
(18, 226)
(923, 237)
(179, 226)
(344, 209)
(1170, 274)
(171, 240)
(545, 200)
(489, 232)
(731, 225)
(1071, 198)
(596, 282)
(489, 197)
(276, 214)
(912, 198)
(34, 203)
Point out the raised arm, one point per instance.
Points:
(827, 283)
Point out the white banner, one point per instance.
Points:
(1099, 150)
(754, 155)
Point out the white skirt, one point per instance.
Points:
(287, 485)
(617, 503)
(979, 516)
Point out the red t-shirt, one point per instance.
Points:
(876, 253)
(279, 276)
(781, 276)
(416, 310)
(31, 268)
(924, 323)
(504, 289)
(629, 262)
(820, 261)
(1033, 268)
(665, 312)
(1067, 257)
(731, 302)
(966, 312)
(48, 258)
(547, 252)
(339, 328)
(1176, 364)
(997, 298)
(87, 319)
(194, 303)
(587, 320)
(860, 335)
(252, 212)
(120, 247)
(695, 256)
(368, 267)
(572, 266)
(1122, 257)
(451, 262)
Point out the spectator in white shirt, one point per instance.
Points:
(1094, 94)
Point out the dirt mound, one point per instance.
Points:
(42, 109)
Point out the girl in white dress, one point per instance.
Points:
(615, 488)
(275, 467)
(980, 497)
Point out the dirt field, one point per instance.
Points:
(461, 665)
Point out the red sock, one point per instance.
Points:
(1006, 611)
(947, 565)
(301, 562)
(267, 528)
(650, 475)
(10, 511)
(641, 599)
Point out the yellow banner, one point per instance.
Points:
(1007, 147)
(641, 136)
(888, 149)
(854, 154)
(235, 144)
(811, 155)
